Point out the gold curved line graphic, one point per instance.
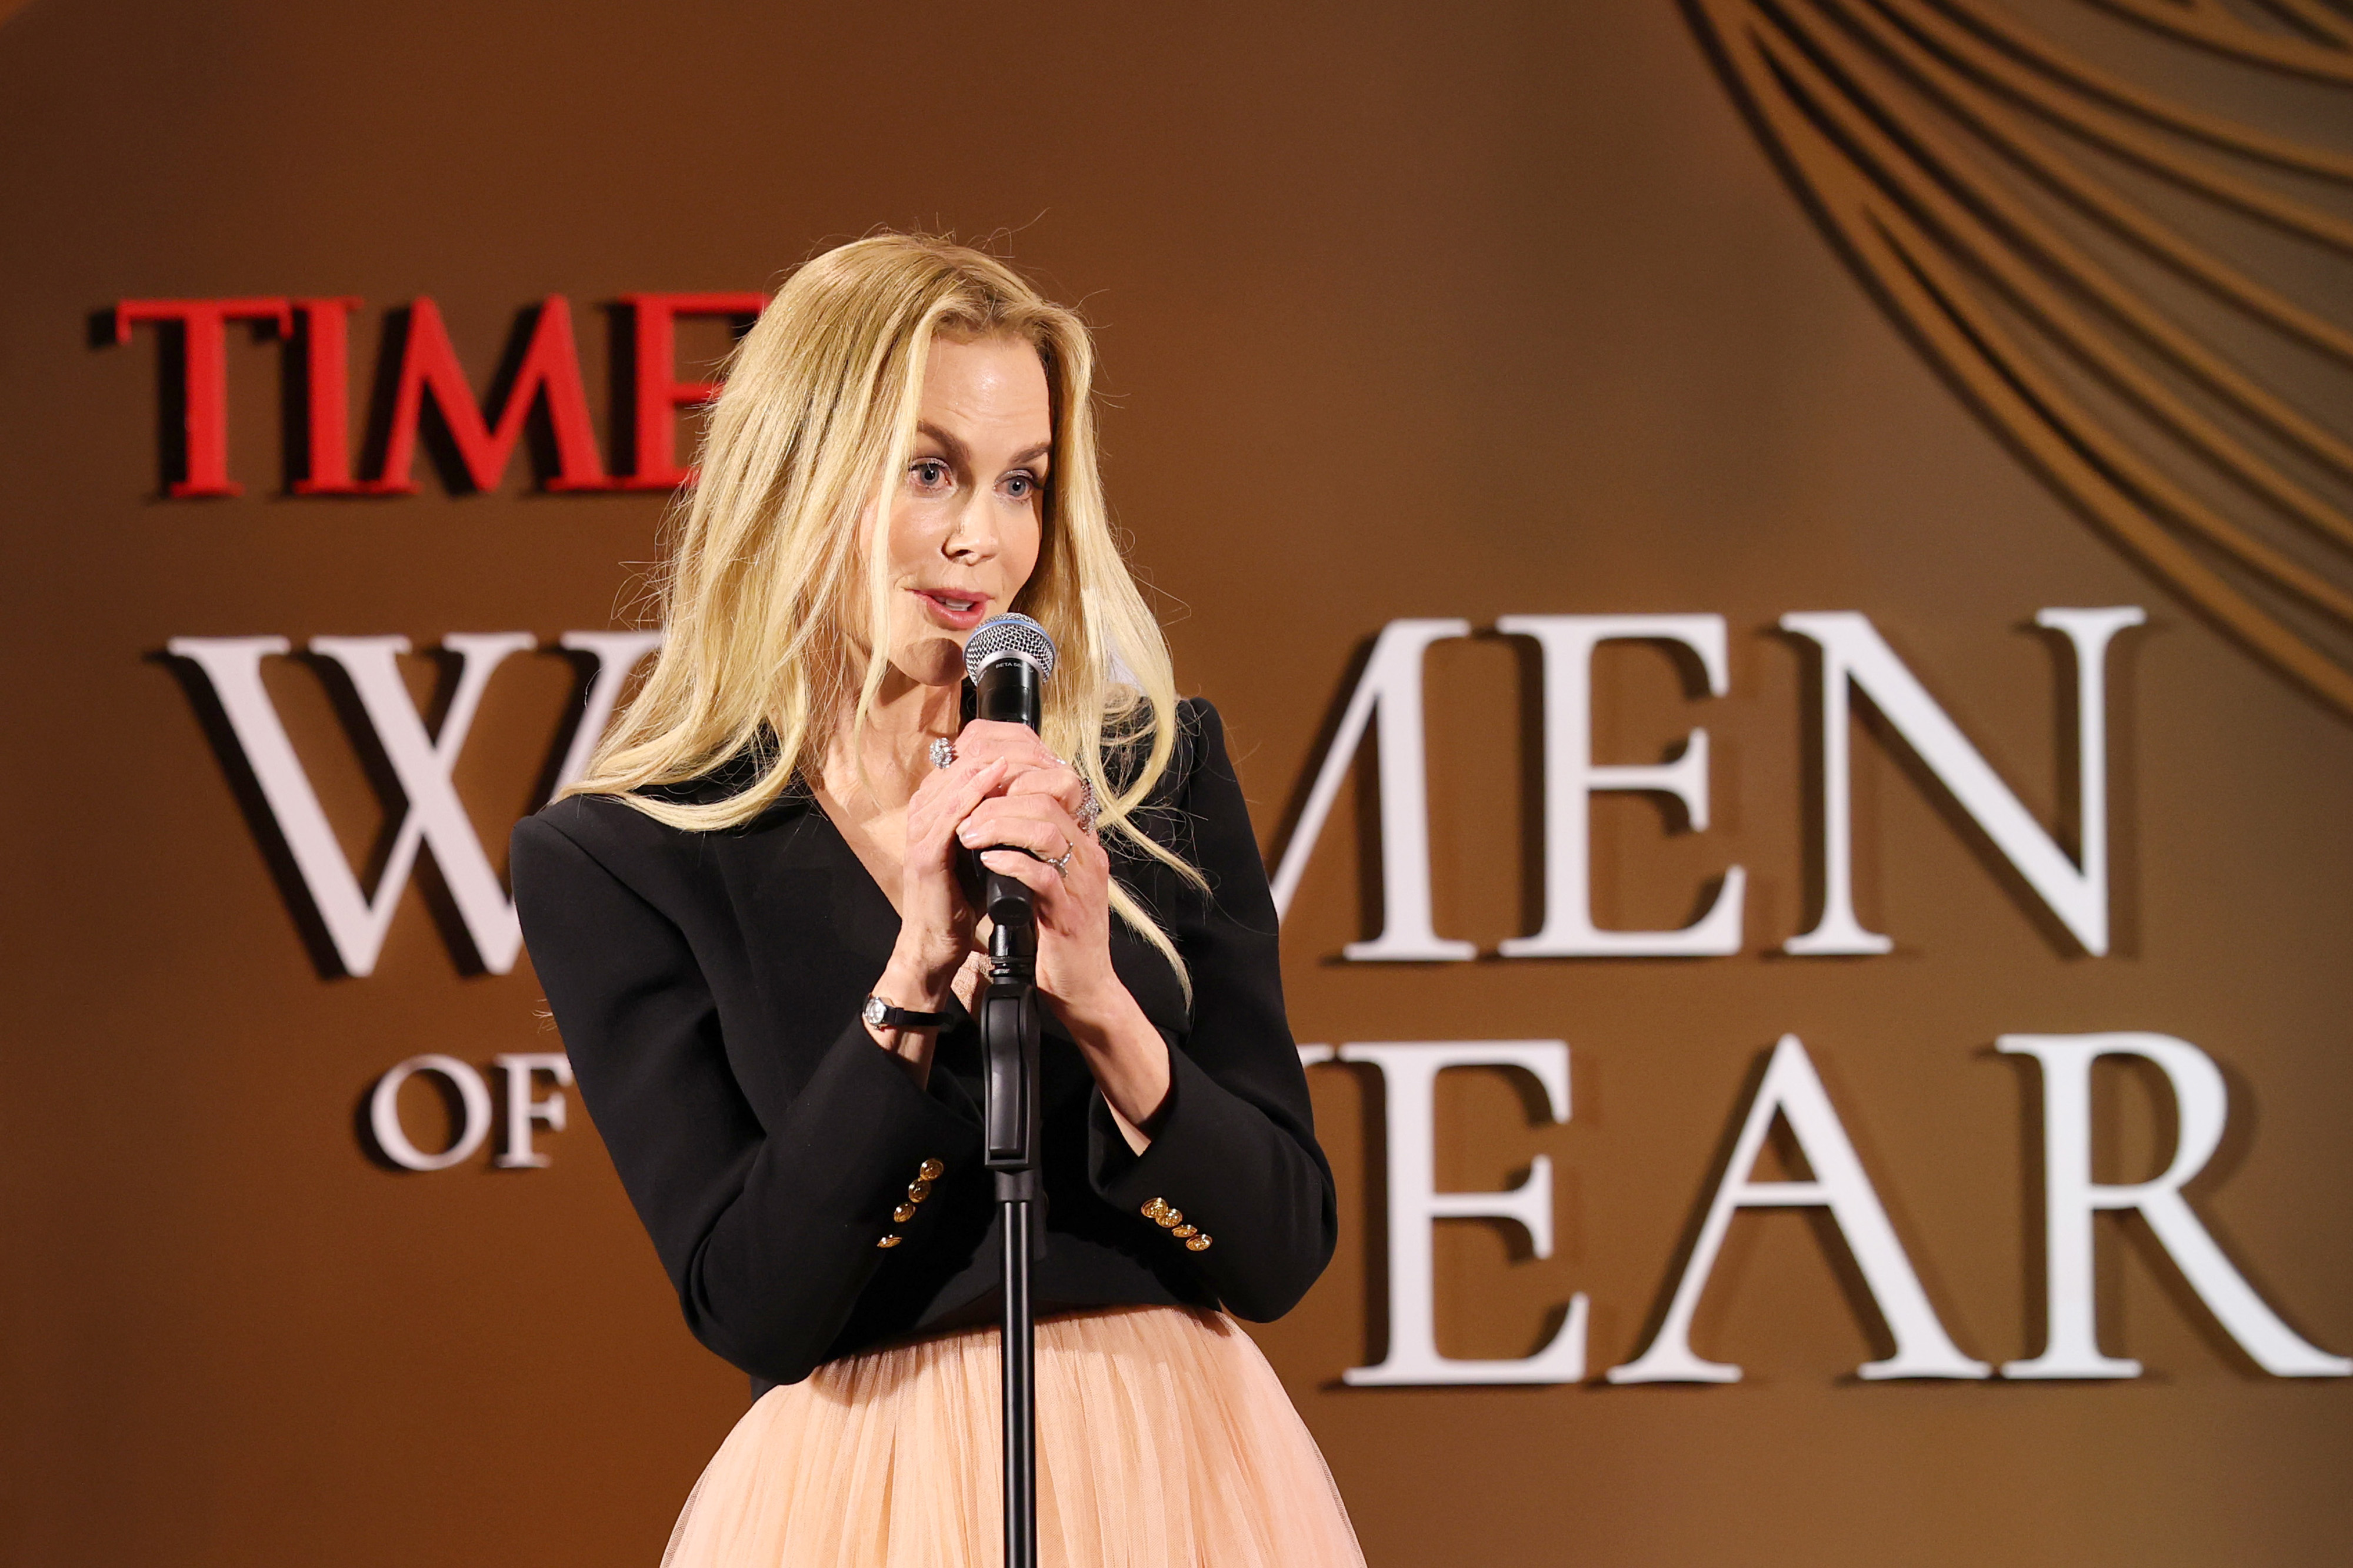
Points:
(2319, 54)
(1978, 197)
(2165, 373)
(1947, 53)
(2009, 42)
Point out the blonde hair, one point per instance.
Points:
(817, 414)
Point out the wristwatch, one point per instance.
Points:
(881, 1014)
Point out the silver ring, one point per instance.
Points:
(1062, 866)
(942, 753)
(1088, 808)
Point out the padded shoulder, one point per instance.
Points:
(605, 826)
(1197, 732)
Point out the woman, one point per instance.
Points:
(750, 928)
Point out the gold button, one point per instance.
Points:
(1154, 1209)
(1168, 1218)
(1182, 1231)
(931, 1170)
(903, 1212)
(894, 1240)
(918, 1191)
(1193, 1243)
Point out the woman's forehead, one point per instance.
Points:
(994, 384)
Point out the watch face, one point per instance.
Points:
(876, 1010)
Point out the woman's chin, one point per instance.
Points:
(935, 660)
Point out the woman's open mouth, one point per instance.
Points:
(957, 612)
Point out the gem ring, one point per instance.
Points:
(942, 753)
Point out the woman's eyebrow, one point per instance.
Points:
(956, 448)
(1032, 454)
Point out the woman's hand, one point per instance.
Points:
(1069, 878)
(936, 921)
(1073, 903)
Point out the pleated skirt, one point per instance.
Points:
(1164, 1441)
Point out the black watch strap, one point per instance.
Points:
(882, 1015)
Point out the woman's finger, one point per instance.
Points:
(1041, 805)
(987, 738)
(1042, 839)
(1035, 875)
(934, 821)
(1060, 783)
(1043, 827)
(987, 773)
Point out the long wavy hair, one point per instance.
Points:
(783, 531)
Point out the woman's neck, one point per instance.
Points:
(907, 717)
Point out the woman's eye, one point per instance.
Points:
(929, 473)
(1022, 486)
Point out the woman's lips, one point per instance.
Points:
(957, 612)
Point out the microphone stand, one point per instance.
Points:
(1008, 689)
(1010, 1114)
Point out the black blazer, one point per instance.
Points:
(708, 987)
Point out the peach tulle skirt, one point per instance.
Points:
(1164, 1441)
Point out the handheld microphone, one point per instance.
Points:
(1010, 659)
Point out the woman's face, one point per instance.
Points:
(966, 516)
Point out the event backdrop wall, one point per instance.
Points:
(1955, 1172)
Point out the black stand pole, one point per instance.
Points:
(1008, 1039)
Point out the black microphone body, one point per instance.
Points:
(1008, 690)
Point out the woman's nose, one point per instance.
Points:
(973, 537)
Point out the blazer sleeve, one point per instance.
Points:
(769, 1233)
(1234, 1149)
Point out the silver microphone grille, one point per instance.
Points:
(1009, 637)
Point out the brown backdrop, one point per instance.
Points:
(1405, 311)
